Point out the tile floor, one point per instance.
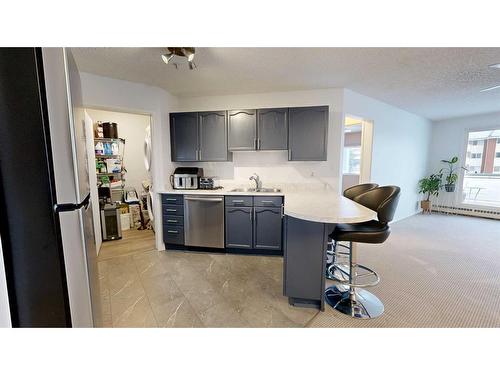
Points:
(141, 287)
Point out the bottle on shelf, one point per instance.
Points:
(99, 148)
(107, 149)
(115, 150)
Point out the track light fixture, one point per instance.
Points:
(181, 52)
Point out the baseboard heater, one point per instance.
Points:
(478, 212)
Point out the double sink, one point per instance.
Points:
(254, 190)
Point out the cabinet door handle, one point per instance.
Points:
(258, 144)
(255, 143)
(289, 153)
(173, 231)
(267, 201)
(171, 199)
(250, 214)
(282, 211)
(171, 210)
(171, 221)
(238, 201)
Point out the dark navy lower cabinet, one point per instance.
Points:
(239, 227)
(267, 228)
(254, 224)
(173, 219)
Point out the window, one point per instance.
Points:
(481, 180)
(352, 160)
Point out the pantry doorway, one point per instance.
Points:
(120, 178)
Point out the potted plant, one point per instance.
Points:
(451, 176)
(430, 186)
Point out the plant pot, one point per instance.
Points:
(426, 206)
(450, 188)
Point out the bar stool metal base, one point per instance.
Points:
(364, 305)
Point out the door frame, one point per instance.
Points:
(366, 148)
(152, 172)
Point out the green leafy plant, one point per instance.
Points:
(430, 185)
(451, 175)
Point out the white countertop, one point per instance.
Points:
(312, 202)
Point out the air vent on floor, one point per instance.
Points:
(491, 214)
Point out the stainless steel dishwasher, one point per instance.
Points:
(204, 221)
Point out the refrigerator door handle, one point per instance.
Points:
(65, 207)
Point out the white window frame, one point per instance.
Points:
(459, 192)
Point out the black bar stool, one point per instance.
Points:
(349, 297)
(331, 251)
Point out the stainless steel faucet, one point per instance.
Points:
(258, 182)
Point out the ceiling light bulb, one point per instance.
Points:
(167, 57)
(495, 66)
(191, 65)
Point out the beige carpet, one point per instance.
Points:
(436, 271)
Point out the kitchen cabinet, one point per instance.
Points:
(267, 228)
(272, 129)
(212, 136)
(308, 133)
(198, 136)
(262, 129)
(254, 223)
(173, 219)
(184, 136)
(239, 227)
(242, 130)
(303, 271)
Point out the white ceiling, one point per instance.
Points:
(435, 83)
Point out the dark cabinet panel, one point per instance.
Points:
(173, 218)
(239, 227)
(308, 133)
(213, 136)
(272, 129)
(267, 228)
(184, 136)
(176, 199)
(242, 129)
(304, 261)
(173, 210)
(173, 235)
(239, 200)
(266, 201)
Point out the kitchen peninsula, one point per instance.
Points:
(296, 223)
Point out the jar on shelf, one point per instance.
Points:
(99, 133)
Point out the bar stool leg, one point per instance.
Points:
(350, 300)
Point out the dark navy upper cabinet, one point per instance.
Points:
(272, 129)
(267, 228)
(239, 227)
(184, 136)
(213, 136)
(308, 133)
(199, 136)
(242, 130)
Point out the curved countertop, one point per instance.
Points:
(325, 207)
(305, 202)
